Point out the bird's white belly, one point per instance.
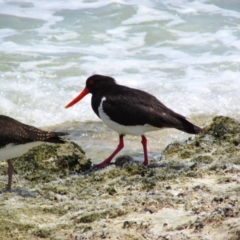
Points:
(132, 130)
(122, 129)
(12, 151)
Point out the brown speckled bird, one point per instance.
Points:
(17, 138)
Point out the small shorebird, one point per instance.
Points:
(130, 111)
(17, 138)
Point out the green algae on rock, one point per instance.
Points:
(49, 162)
(222, 135)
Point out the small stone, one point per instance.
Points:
(122, 160)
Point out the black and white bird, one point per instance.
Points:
(17, 138)
(130, 111)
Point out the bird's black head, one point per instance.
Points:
(94, 84)
(97, 82)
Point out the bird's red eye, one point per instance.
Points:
(91, 82)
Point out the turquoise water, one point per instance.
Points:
(187, 53)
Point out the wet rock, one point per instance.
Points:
(216, 148)
(123, 159)
(192, 192)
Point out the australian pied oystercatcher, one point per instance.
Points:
(17, 138)
(130, 111)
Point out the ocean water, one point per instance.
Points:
(186, 53)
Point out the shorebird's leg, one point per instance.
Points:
(144, 143)
(10, 174)
(109, 159)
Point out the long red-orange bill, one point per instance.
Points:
(84, 92)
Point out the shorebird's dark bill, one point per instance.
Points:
(78, 98)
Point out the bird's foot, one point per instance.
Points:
(95, 167)
(100, 165)
(103, 164)
(145, 163)
(5, 191)
(8, 187)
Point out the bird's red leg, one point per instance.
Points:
(109, 159)
(144, 143)
(10, 174)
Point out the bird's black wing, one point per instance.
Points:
(137, 107)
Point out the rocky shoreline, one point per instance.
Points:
(191, 192)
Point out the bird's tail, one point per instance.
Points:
(189, 127)
(55, 137)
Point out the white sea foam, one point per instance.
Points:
(187, 53)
